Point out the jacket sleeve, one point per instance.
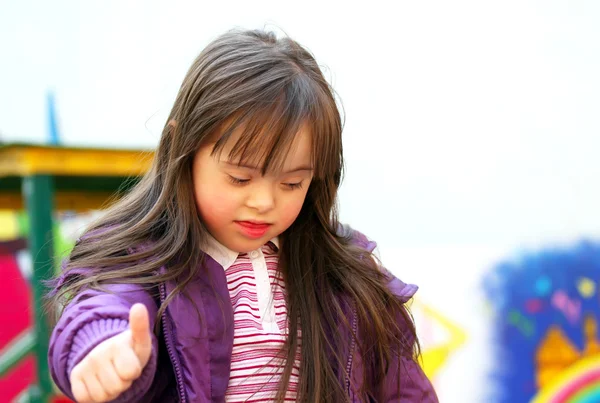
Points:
(414, 384)
(90, 318)
(405, 380)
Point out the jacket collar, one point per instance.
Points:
(222, 254)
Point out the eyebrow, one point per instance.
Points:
(297, 169)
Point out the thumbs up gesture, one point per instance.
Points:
(112, 366)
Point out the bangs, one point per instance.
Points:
(264, 132)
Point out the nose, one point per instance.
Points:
(262, 198)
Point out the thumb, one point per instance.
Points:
(139, 325)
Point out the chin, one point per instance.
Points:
(246, 246)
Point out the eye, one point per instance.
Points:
(292, 186)
(237, 181)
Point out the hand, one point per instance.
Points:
(112, 366)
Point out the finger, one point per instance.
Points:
(95, 390)
(79, 391)
(127, 365)
(110, 381)
(139, 324)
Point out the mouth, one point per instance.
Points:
(253, 222)
(253, 229)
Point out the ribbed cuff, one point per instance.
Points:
(94, 333)
(90, 336)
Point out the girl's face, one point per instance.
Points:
(242, 209)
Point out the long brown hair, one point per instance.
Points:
(268, 87)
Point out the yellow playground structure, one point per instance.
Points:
(42, 180)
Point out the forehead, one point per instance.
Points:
(270, 151)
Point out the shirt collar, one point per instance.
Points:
(222, 254)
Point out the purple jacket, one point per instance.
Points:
(191, 358)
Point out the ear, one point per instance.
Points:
(172, 123)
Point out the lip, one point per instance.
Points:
(253, 222)
(253, 229)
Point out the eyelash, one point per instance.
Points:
(293, 186)
(237, 181)
(241, 182)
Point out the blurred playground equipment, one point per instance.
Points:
(436, 354)
(41, 181)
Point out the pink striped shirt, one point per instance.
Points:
(257, 294)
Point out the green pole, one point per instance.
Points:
(39, 196)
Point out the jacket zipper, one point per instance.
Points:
(170, 348)
(350, 356)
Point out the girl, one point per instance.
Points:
(225, 275)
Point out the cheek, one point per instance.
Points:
(215, 205)
(290, 210)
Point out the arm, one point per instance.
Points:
(405, 380)
(414, 385)
(91, 318)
